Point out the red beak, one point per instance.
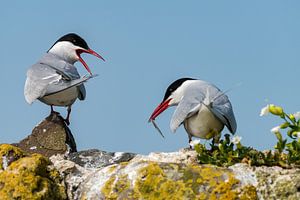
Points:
(89, 51)
(159, 109)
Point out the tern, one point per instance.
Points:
(202, 108)
(54, 80)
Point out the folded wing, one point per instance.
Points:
(50, 76)
(202, 93)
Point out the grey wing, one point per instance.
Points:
(222, 108)
(38, 78)
(62, 85)
(43, 80)
(219, 104)
(189, 104)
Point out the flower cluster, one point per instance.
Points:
(291, 126)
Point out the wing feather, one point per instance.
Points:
(52, 75)
(189, 104)
(202, 93)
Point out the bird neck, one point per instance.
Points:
(65, 51)
(64, 57)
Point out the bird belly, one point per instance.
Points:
(64, 98)
(203, 124)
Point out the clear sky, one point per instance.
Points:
(147, 45)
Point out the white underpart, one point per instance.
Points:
(63, 98)
(202, 123)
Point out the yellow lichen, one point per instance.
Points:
(248, 193)
(112, 168)
(225, 190)
(114, 187)
(177, 181)
(107, 189)
(196, 182)
(154, 184)
(30, 178)
(9, 151)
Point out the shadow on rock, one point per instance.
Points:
(52, 136)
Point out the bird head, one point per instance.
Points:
(70, 47)
(173, 96)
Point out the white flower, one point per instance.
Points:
(297, 115)
(265, 110)
(236, 139)
(193, 143)
(275, 129)
(298, 135)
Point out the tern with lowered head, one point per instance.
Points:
(201, 107)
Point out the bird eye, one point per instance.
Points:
(74, 41)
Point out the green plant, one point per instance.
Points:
(230, 150)
(291, 126)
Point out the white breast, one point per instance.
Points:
(63, 98)
(203, 124)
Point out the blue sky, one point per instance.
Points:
(147, 45)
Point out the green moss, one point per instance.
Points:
(30, 178)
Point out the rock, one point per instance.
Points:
(94, 174)
(52, 136)
(24, 176)
(95, 158)
(79, 166)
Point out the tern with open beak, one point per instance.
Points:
(201, 107)
(54, 80)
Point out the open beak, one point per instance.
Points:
(89, 51)
(160, 108)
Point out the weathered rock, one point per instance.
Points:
(78, 167)
(174, 175)
(24, 176)
(95, 158)
(52, 136)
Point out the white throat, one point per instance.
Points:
(66, 51)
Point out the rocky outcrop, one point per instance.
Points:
(52, 136)
(24, 176)
(174, 175)
(27, 173)
(95, 174)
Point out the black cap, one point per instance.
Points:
(74, 39)
(176, 84)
